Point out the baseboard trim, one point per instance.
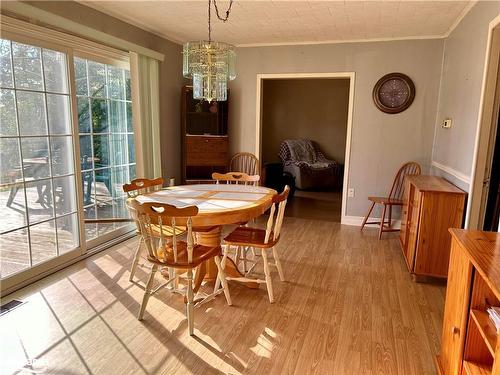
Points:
(453, 172)
(358, 220)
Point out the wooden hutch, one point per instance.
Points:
(469, 343)
(204, 138)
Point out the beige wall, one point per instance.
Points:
(171, 79)
(460, 93)
(313, 109)
(380, 142)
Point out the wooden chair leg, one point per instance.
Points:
(278, 264)
(390, 216)
(147, 291)
(190, 304)
(222, 277)
(367, 215)
(267, 272)
(135, 262)
(382, 221)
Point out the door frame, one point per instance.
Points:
(487, 118)
(258, 116)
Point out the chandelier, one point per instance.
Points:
(210, 64)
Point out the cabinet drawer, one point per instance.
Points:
(206, 151)
(206, 145)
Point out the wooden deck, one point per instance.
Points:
(349, 307)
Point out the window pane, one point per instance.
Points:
(90, 229)
(88, 185)
(31, 111)
(120, 177)
(43, 242)
(14, 252)
(35, 157)
(99, 115)
(8, 122)
(83, 115)
(81, 76)
(131, 148)
(13, 206)
(6, 79)
(130, 127)
(86, 159)
(119, 154)
(101, 151)
(59, 114)
(62, 155)
(65, 193)
(116, 84)
(127, 86)
(27, 66)
(103, 188)
(120, 210)
(67, 233)
(39, 195)
(131, 172)
(118, 116)
(54, 66)
(10, 161)
(97, 79)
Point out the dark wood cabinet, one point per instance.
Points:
(205, 142)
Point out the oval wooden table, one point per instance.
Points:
(218, 205)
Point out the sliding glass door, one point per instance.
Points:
(66, 148)
(106, 137)
(38, 198)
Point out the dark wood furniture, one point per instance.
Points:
(394, 198)
(204, 138)
(469, 343)
(431, 205)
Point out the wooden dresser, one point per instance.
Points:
(431, 205)
(470, 343)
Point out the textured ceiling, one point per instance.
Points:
(289, 22)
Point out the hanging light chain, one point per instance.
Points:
(223, 19)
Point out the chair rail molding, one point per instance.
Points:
(458, 175)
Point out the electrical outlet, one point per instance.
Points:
(350, 192)
(447, 123)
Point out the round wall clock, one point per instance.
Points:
(393, 93)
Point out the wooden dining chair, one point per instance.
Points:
(245, 237)
(137, 187)
(395, 198)
(239, 178)
(173, 251)
(245, 162)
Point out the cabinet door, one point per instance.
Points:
(455, 311)
(405, 212)
(413, 223)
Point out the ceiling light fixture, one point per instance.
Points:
(210, 64)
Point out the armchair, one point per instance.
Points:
(304, 160)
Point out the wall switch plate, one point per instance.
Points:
(350, 192)
(447, 123)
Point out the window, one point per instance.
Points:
(37, 177)
(105, 128)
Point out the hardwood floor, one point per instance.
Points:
(315, 205)
(349, 307)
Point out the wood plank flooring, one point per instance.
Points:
(349, 307)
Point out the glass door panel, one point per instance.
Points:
(38, 198)
(107, 155)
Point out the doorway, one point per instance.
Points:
(297, 108)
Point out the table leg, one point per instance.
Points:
(213, 238)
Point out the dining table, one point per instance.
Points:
(218, 205)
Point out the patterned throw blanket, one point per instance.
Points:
(302, 150)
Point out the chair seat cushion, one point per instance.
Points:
(200, 254)
(248, 236)
(386, 200)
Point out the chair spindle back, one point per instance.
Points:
(245, 162)
(398, 187)
(166, 217)
(276, 215)
(238, 178)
